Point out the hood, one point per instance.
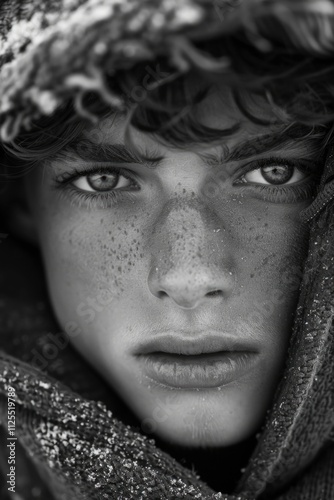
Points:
(77, 433)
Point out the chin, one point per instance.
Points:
(200, 436)
(201, 429)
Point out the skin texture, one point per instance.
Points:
(122, 273)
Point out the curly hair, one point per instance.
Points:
(278, 52)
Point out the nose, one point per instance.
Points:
(191, 258)
(188, 290)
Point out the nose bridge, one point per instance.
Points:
(190, 257)
(186, 230)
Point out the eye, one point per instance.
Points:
(275, 174)
(101, 182)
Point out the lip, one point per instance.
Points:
(195, 343)
(193, 363)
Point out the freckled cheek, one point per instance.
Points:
(92, 255)
(269, 248)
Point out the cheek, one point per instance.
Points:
(270, 251)
(88, 256)
(271, 243)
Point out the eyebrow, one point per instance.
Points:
(119, 154)
(106, 152)
(262, 144)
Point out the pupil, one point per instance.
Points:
(277, 174)
(102, 182)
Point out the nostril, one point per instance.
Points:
(215, 293)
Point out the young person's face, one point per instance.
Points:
(172, 277)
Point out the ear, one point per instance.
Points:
(18, 213)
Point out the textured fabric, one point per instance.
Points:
(84, 451)
(325, 192)
(51, 50)
(65, 421)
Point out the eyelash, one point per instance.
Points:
(289, 192)
(272, 193)
(105, 199)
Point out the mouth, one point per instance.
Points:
(194, 363)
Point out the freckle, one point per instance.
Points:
(257, 237)
(184, 191)
(112, 238)
(119, 269)
(101, 221)
(252, 275)
(141, 255)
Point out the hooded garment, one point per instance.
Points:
(73, 436)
